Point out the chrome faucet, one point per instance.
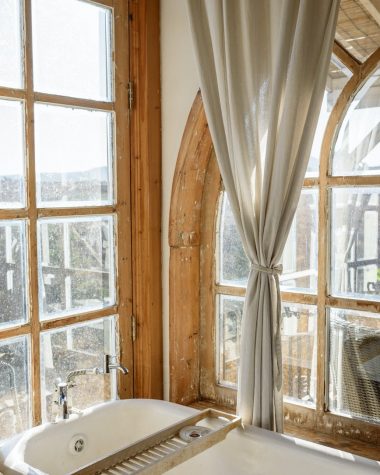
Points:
(61, 389)
(110, 363)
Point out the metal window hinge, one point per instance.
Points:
(131, 95)
(133, 326)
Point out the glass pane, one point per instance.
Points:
(355, 250)
(10, 44)
(13, 283)
(76, 265)
(300, 256)
(357, 149)
(230, 311)
(15, 414)
(232, 261)
(337, 78)
(354, 387)
(73, 156)
(12, 169)
(72, 48)
(299, 352)
(76, 347)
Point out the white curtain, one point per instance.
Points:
(263, 66)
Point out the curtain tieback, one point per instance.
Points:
(275, 270)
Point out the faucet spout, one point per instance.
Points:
(110, 362)
(62, 401)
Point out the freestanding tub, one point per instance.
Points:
(106, 428)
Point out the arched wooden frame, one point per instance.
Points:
(195, 193)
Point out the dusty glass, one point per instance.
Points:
(13, 285)
(300, 256)
(76, 264)
(12, 152)
(299, 352)
(229, 315)
(355, 250)
(354, 387)
(15, 412)
(72, 54)
(74, 151)
(11, 70)
(357, 148)
(337, 78)
(72, 348)
(232, 263)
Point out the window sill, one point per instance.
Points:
(355, 447)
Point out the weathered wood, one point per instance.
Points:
(184, 239)
(364, 180)
(347, 59)
(172, 450)
(184, 324)
(146, 196)
(16, 330)
(78, 318)
(123, 191)
(184, 231)
(189, 177)
(80, 211)
(32, 214)
(73, 101)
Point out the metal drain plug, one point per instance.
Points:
(191, 433)
(77, 444)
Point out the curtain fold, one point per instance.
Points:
(263, 66)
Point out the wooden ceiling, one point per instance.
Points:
(358, 28)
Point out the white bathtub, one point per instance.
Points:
(48, 449)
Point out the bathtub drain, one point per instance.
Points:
(77, 444)
(190, 433)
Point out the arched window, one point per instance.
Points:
(330, 284)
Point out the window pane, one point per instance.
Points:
(232, 261)
(76, 347)
(357, 149)
(355, 258)
(355, 364)
(12, 273)
(15, 412)
(76, 265)
(300, 256)
(12, 169)
(10, 44)
(337, 78)
(71, 49)
(299, 352)
(230, 311)
(73, 156)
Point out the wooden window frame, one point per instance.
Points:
(192, 263)
(138, 189)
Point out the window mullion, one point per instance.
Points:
(123, 193)
(31, 204)
(323, 267)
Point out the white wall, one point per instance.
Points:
(179, 83)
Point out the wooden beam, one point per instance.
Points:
(146, 196)
(373, 8)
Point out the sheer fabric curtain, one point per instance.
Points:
(263, 66)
